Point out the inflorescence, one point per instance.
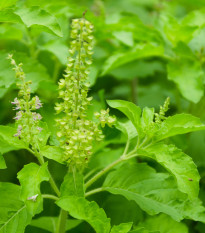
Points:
(76, 132)
(26, 118)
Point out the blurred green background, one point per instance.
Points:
(145, 51)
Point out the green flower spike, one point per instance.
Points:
(76, 133)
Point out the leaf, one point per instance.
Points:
(7, 3)
(163, 224)
(104, 157)
(125, 37)
(178, 124)
(39, 18)
(53, 152)
(58, 48)
(50, 223)
(8, 141)
(14, 216)
(122, 228)
(195, 18)
(72, 185)
(178, 163)
(30, 178)
(132, 111)
(127, 128)
(147, 117)
(8, 15)
(138, 69)
(185, 70)
(2, 162)
(153, 192)
(80, 208)
(138, 52)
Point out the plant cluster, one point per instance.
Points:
(129, 172)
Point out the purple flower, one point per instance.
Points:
(40, 129)
(36, 116)
(38, 103)
(18, 131)
(16, 101)
(18, 115)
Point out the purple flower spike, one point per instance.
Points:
(38, 103)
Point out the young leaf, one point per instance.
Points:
(178, 163)
(39, 18)
(30, 178)
(72, 185)
(80, 208)
(153, 192)
(178, 124)
(14, 216)
(132, 111)
(163, 223)
(122, 228)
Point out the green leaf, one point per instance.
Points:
(163, 224)
(185, 70)
(195, 18)
(30, 178)
(72, 185)
(40, 19)
(138, 69)
(127, 128)
(132, 111)
(147, 117)
(8, 141)
(153, 192)
(53, 152)
(14, 216)
(178, 163)
(80, 208)
(178, 124)
(8, 15)
(50, 223)
(138, 52)
(125, 37)
(122, 228)
(2, 162)
(7, 3)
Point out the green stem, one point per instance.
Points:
(102, 172)
(49, 196)
(93, 192)
(61, 227)
(51, 180)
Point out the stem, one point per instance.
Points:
(61, 227)
(49, 196)
(93, 191)
(126, 148)
(134, 85)
(102, 172)
(51, 180)
(89, 174)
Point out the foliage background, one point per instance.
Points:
(144, 51)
